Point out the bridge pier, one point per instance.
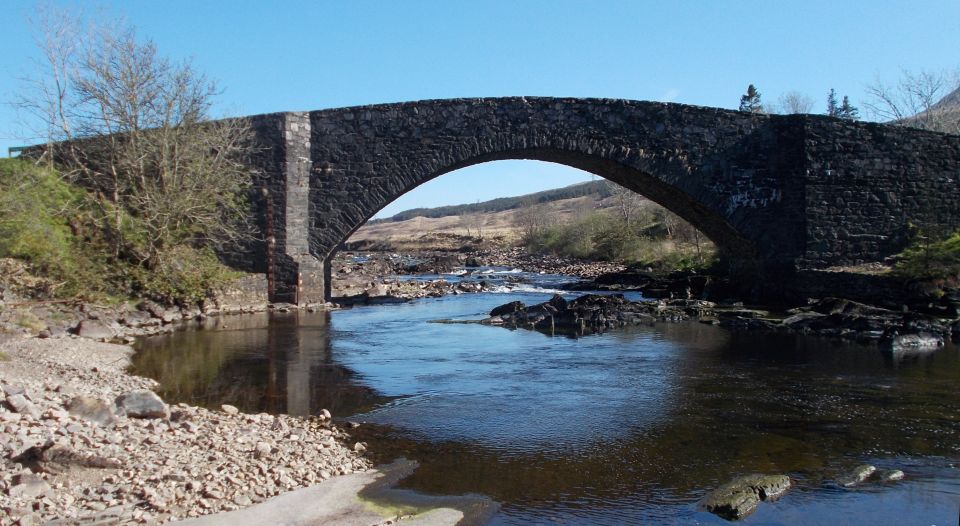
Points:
(294, 275)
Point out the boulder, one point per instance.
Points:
(377, 291)
(732, 501)
(142, 403)
(20, 404)
(910, 343)
(770, 487)
(741, 496)
(742, 313)
(94, 330)
(889, 475)
(508, 308)
(91, 409)
(557, 302)
(856, 476)
(10, 390)
(586, 314)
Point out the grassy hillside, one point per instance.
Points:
(584, 220)
(596, 189)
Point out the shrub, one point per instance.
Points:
(605, 237)
(40, 216)
(927, 259)
(63, 234)
(186, 275)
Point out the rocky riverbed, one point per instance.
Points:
(372, 277)
(895, 331)
(82, 440)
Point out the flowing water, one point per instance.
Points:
(627, 427)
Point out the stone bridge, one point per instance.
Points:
(777, 194)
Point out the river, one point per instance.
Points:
(626, 427)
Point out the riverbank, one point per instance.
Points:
(81, 438)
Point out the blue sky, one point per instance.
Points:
(277, 56)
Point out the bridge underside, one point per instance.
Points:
(779, 194)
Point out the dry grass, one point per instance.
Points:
(501, 225)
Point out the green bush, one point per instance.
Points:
(89, 248)
(186, 276)
(603, 237)
(40, 215)
(927, 259)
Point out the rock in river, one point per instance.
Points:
(588, 313)
(889, 475)
(910, 343)
(741, 496)
(508, 308)
(856, 475)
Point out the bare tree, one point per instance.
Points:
(793, 102)
(928, 100)
(530, 220)
(628, 203)
(134, 127)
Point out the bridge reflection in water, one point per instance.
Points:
(263, 362)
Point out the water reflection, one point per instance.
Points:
(264, 362)
(627, 426)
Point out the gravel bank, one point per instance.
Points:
(96, 463)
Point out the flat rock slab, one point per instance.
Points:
(335, 502)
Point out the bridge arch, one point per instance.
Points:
(784, 192)
(727, 239)
(700, 163)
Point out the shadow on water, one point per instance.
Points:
(622, 427)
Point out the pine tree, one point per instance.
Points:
(751, 100)
(833, 109)
(848, 111)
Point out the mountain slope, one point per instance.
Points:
(503, 217)
(599, 188)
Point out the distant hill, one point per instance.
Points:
(950, 102)
(597, 189)
(444, 227)
(943, 116)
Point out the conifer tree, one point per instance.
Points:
(833, 109)
(848, 111)
(751, 100)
